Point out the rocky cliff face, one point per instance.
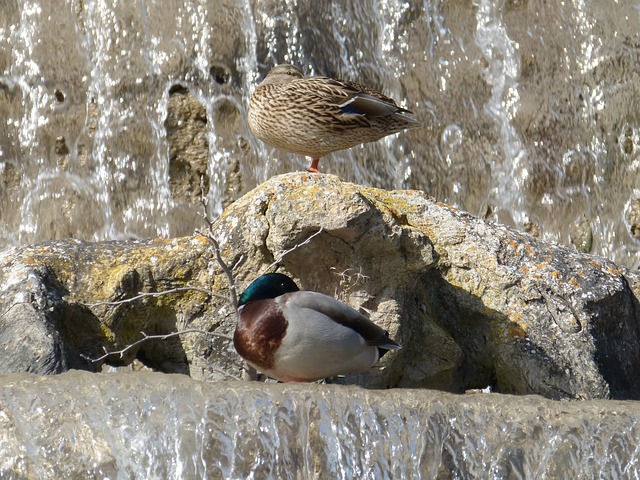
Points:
(474, 304)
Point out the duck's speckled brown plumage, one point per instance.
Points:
(315, 116)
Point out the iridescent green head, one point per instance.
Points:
(270, 285)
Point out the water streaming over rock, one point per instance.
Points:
(155, 426)
(530, 109)
(501, 75)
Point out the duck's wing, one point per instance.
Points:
(368, 105)
(346, 98)
(362, 100)
(342, 314)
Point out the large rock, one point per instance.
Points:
(474, 304)
(49, 318)
(151, 426)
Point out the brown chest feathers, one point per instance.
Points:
(260, 330)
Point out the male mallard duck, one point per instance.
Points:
(300, 336)
(315, 116)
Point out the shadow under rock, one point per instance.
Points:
(495, 351)
(618, 342)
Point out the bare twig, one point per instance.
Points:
(248, 372)
(154, 294)
(146, 337)
(349, 279)
(295, 247)
(233, 295)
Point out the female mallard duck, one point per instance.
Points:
(315, 116)
(299, 336)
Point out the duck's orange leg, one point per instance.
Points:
(314, 165)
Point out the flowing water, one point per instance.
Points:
(156, 426)
(531, 109)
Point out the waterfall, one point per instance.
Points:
(153, 426)
(530, 113)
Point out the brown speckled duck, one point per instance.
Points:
(315, 116)
(302, 336)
